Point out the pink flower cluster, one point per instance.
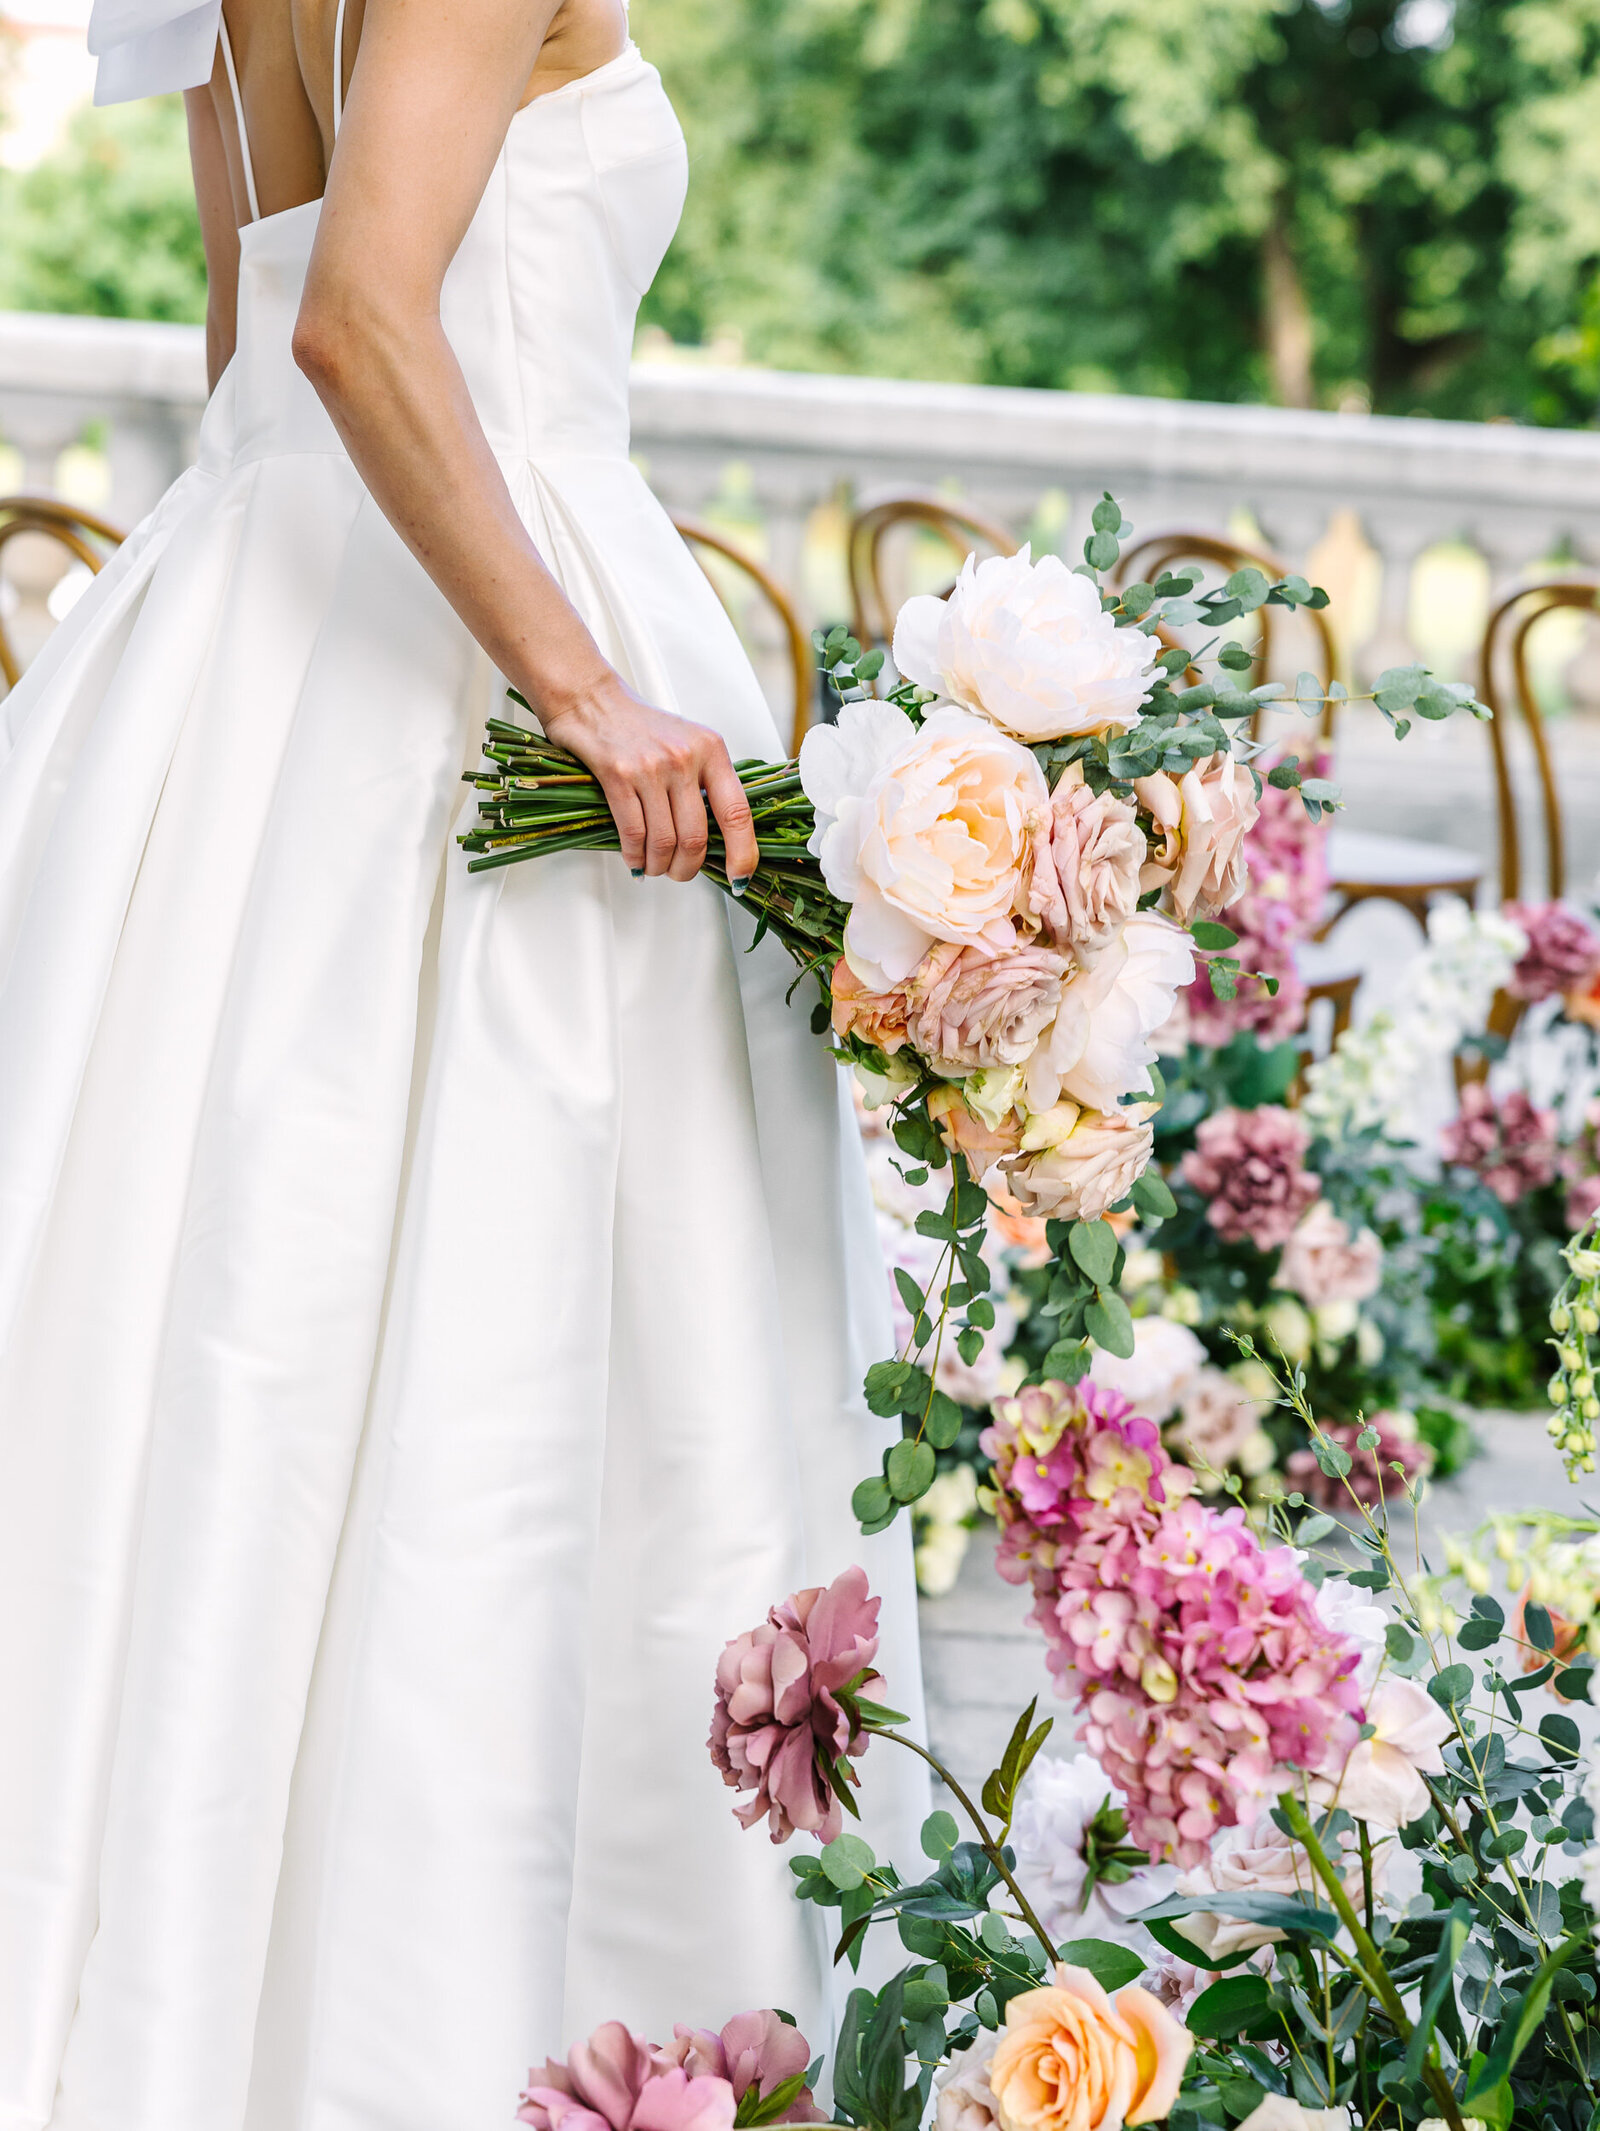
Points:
(1287, 855)
(1510, 1144)
(1199, 1661)
(778, 1729)
(1563, 951)
(1371, 1474)
(616, 2081)
(1249, 1165)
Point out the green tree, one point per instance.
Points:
(107, 224)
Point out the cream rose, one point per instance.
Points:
(1202, 819)
(973, 1008)
(1084, 883)
(1029, 645)
(924, 833)
(1382, 1780)
(1100, 1046)
(1082, 1174)
(1323, 1263)
(1071, 2058)
(1166, 1360)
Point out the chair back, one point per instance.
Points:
(86, 538)
(1505, 655)
(704, 541)
(872, 611)
(1147, 558)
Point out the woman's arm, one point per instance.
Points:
(218, 231)
(435, 87)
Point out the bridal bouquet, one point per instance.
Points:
(1000, 876)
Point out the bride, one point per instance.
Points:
(432, 1306)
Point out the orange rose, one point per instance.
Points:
(1073, 2059)
(876, 1017)
(964, 1132)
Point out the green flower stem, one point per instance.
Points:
(1371, 1959)
(986, 1842)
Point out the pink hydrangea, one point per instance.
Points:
(1563, 951)
(1249, 1166)
(1511, 1144)
(1371, 1471)
(778, 1729)
(1202, 1667)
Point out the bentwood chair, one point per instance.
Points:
(1363, 866)
(872, 610)
(86, 538)
(704, 541)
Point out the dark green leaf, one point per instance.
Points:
(1452, 1686)
(1109, 1323)
(1457, 1926)
(1209, 935)
(944, 1415)
(1524, 2019)
(1152, 1199)
(1537, 1627)
(872, 1501)
(1227, 2008)
(940, 1834)
(1093, 1245)
(1112, 1966)
(910, 1470)
(1561, 1739)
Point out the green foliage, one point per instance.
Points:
(107, 224)
(1112, 196)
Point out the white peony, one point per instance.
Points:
(1058, 1801)
(1029, 645)
(1276, 2112)
(923, 832)
(1099, 1047)
(1154, 1378)
(1345, 1611)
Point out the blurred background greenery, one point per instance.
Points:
(1337, 203)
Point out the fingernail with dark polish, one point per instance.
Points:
(740, 886)
(637, 872)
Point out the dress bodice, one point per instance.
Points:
(539, 303)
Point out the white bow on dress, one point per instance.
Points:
(148, 47)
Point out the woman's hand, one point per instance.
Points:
(653, 769)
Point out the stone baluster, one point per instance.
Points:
(1399, 540)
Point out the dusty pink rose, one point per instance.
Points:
(1397, 1444)
(1087, 852)
(1261, 1861)
(972, 1007)
(754, 2050)
(1382, 1780)
(1216, 1419)
(1083, 1174)
(1562, 954)
(876, 1017)
(1322, 1262)
(1202, 820)
(613, 2082)
(778, 1727)
(1510, 1144)
(964, 1132)
(1249, 1167)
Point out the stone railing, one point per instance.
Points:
(777, 459)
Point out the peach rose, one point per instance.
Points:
(1087, 856)
(1101, 1044)
(964, 1132)
(1029, 645)
(1073, 2059)
(1323, 1263)
(923, 832)
(1202, 818)
(876, 1017)
(971, 1007)
(1096, 1160)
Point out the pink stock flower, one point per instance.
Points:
(778, 1727)
(1249, 1166)
(1087, 852)
(1511, 1145)
(754, 2050)
(1397, 1444)
(1267, 933)
(1199, 1661)
(1322, 1262)
(613, 2082)
(971, 1007)
(1562, 954)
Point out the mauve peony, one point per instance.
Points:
(1249, 1167)
(1071, 2058)
(1203, 819)
(777, 1724)
(924, 833)
(876, 1017)
(1088, 1170)
(614, 2082)
(972, 1007)
(1382, 1779)
(754, 2050)
(1102, 1046)
(1562, 954)
(1029, 645)
(1084, 883)
(1511, 1145)
(1322, 1262)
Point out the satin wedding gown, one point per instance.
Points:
(432, 1306)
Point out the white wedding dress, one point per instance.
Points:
(432, 1306)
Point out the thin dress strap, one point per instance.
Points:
(338, 67)
(238, 112)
